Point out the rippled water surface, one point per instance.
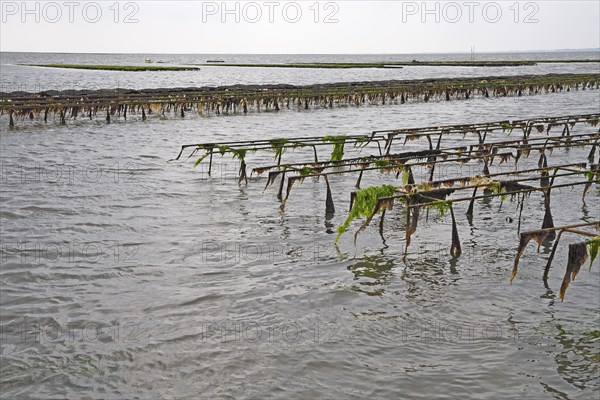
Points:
(16, 76)
(127, 276)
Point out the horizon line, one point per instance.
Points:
(303, 54)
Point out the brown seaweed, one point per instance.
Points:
(548, 220)
(412, 220)
(291, 181)
(471, 206)
(538, 236)
(577, 257)
(455, 249)
(272, 177)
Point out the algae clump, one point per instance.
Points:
(364, 204)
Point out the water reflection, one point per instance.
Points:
(372, 274)
(574, 348)
(578, 360)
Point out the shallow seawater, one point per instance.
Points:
(128, 276)
(17, 76)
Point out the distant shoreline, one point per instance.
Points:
(333, 65)
(400, 64)
(130, 68)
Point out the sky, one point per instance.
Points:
(297, 27)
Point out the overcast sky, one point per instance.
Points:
(298, 27)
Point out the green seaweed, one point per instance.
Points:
(240, 154)
(130, 68)
(364, 204)
(199, 160)
(495, 187)
(592, 248)
(442, 206)
(506, 127)
(223, 149)
(406, 171)
(278, 146)
(338, 146)
(208, 148)
(304, 171)
(589, 175)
